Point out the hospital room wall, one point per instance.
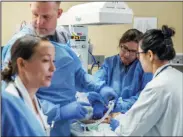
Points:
(104, 38)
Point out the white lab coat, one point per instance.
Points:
(11, 89)
(158, 110)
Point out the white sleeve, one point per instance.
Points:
(144, 114)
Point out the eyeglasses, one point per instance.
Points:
(138, 53)
(124, 49)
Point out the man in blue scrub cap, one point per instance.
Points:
(58, 101)
(17, 119)
(123, 72)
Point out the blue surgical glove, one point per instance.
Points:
(94, 97)
(108, 94)
(119, 105)
(74, 110)
(114, 123)
(98, 110)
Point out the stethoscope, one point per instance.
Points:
(19, 93)
(21, 96)
(162, 70)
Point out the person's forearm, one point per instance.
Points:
(86, 82)
(51, 110)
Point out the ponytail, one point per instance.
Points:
(6, 74)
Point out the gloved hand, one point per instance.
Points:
(98, 110)
(94, 97)
(74, 110)
(114, 123)
(119, 105)
(108, 94)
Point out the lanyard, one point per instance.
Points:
(47, 129)
(162, 70)
(19, 93)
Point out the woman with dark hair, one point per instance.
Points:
(158, 110)
(31, 67)
(123, 72)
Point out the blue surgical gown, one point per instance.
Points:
(17, 119)
(60, 36)
(127, 81)
(68, 78)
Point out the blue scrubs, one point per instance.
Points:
(17, 119)
(127, 81)
(68, 78)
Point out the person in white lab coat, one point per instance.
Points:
(158, 110)
(32, 64)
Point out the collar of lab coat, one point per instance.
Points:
(26, 98)
(25, 93)
(160, 69)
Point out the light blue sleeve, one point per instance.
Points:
(138, 84)
(17, 119)
(6, 56)
(51, 110)
(6, 53)
(84, 82)
(101, 74)
(127, 103)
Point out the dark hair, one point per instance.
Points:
(23, 47)
(131, 35)
(159, 42)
